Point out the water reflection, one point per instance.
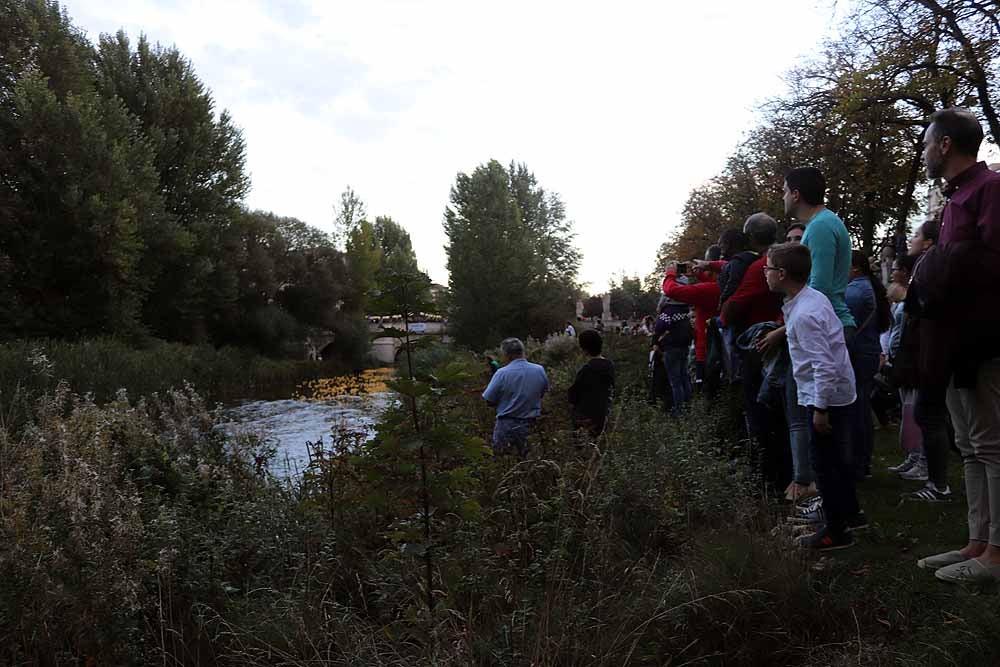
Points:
(318, 409)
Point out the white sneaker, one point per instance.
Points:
(917, 473)
(910, 461)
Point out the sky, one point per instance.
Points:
(621, 108)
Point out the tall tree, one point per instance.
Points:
(200, 157)
(79, 199)
(511, 259)
(348, 213)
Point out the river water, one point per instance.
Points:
(328, 408)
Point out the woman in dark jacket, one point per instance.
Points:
(869, 305)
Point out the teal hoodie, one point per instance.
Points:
(830, 247)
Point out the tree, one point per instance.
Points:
(511, 260)
(78, 194)
(348, 214)
(630, 300)
(858, 112)
(200, 159)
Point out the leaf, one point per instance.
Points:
(470, 509)
(474, 447)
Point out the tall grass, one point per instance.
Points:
(135, 532)
(103, 367)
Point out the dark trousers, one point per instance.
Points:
(931, 414)
(862, 425)
(766, 427)
(833, 462)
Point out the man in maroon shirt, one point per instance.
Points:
(957, 281)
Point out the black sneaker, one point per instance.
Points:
(931, 494)
(824, 540)
(857, 522)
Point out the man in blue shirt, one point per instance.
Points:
(516, 392)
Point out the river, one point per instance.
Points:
(328, 408)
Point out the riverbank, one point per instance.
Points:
(102, 367)
(134, 534)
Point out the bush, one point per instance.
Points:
(137, 532)
(102, 367)
(116, 518)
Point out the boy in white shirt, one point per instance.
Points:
(825, 379)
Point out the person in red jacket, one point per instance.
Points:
(703, 295)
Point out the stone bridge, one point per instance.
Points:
(386, 349)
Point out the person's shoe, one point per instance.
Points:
(917, 473)
(938, 561)
(968, 571)
(908, 462)
(857, 522)
(809, 505)
(930, 494)
(824, 540)
(815, 517)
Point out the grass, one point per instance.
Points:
(103, 367)
(134, 532)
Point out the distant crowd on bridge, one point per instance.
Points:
(821, 341)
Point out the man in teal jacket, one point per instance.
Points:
(826, 237)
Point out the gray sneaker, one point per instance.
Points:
(917, 473)
(941, 560)
(908, 462)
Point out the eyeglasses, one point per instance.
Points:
(772, 268)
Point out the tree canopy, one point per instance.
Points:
(121, 206)
(857, 111)
(511, 259)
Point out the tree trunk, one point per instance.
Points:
(916, 162)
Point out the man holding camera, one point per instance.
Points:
(703, 295)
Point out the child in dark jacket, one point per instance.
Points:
(590, 393)
(672, 337)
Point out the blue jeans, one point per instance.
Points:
(799, 432)
(675, 361)
(833, 460)
(510, 436)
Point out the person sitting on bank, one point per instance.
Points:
(590, 393)
(516, 391)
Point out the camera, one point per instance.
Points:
(682, 268)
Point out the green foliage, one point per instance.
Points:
(100, 368)
(121, 214)
(98, 509)
(137, 532)
(511, 261)
(857, 111)
(631, 300)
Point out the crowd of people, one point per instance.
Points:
(809, 333)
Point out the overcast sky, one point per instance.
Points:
(619, 107)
